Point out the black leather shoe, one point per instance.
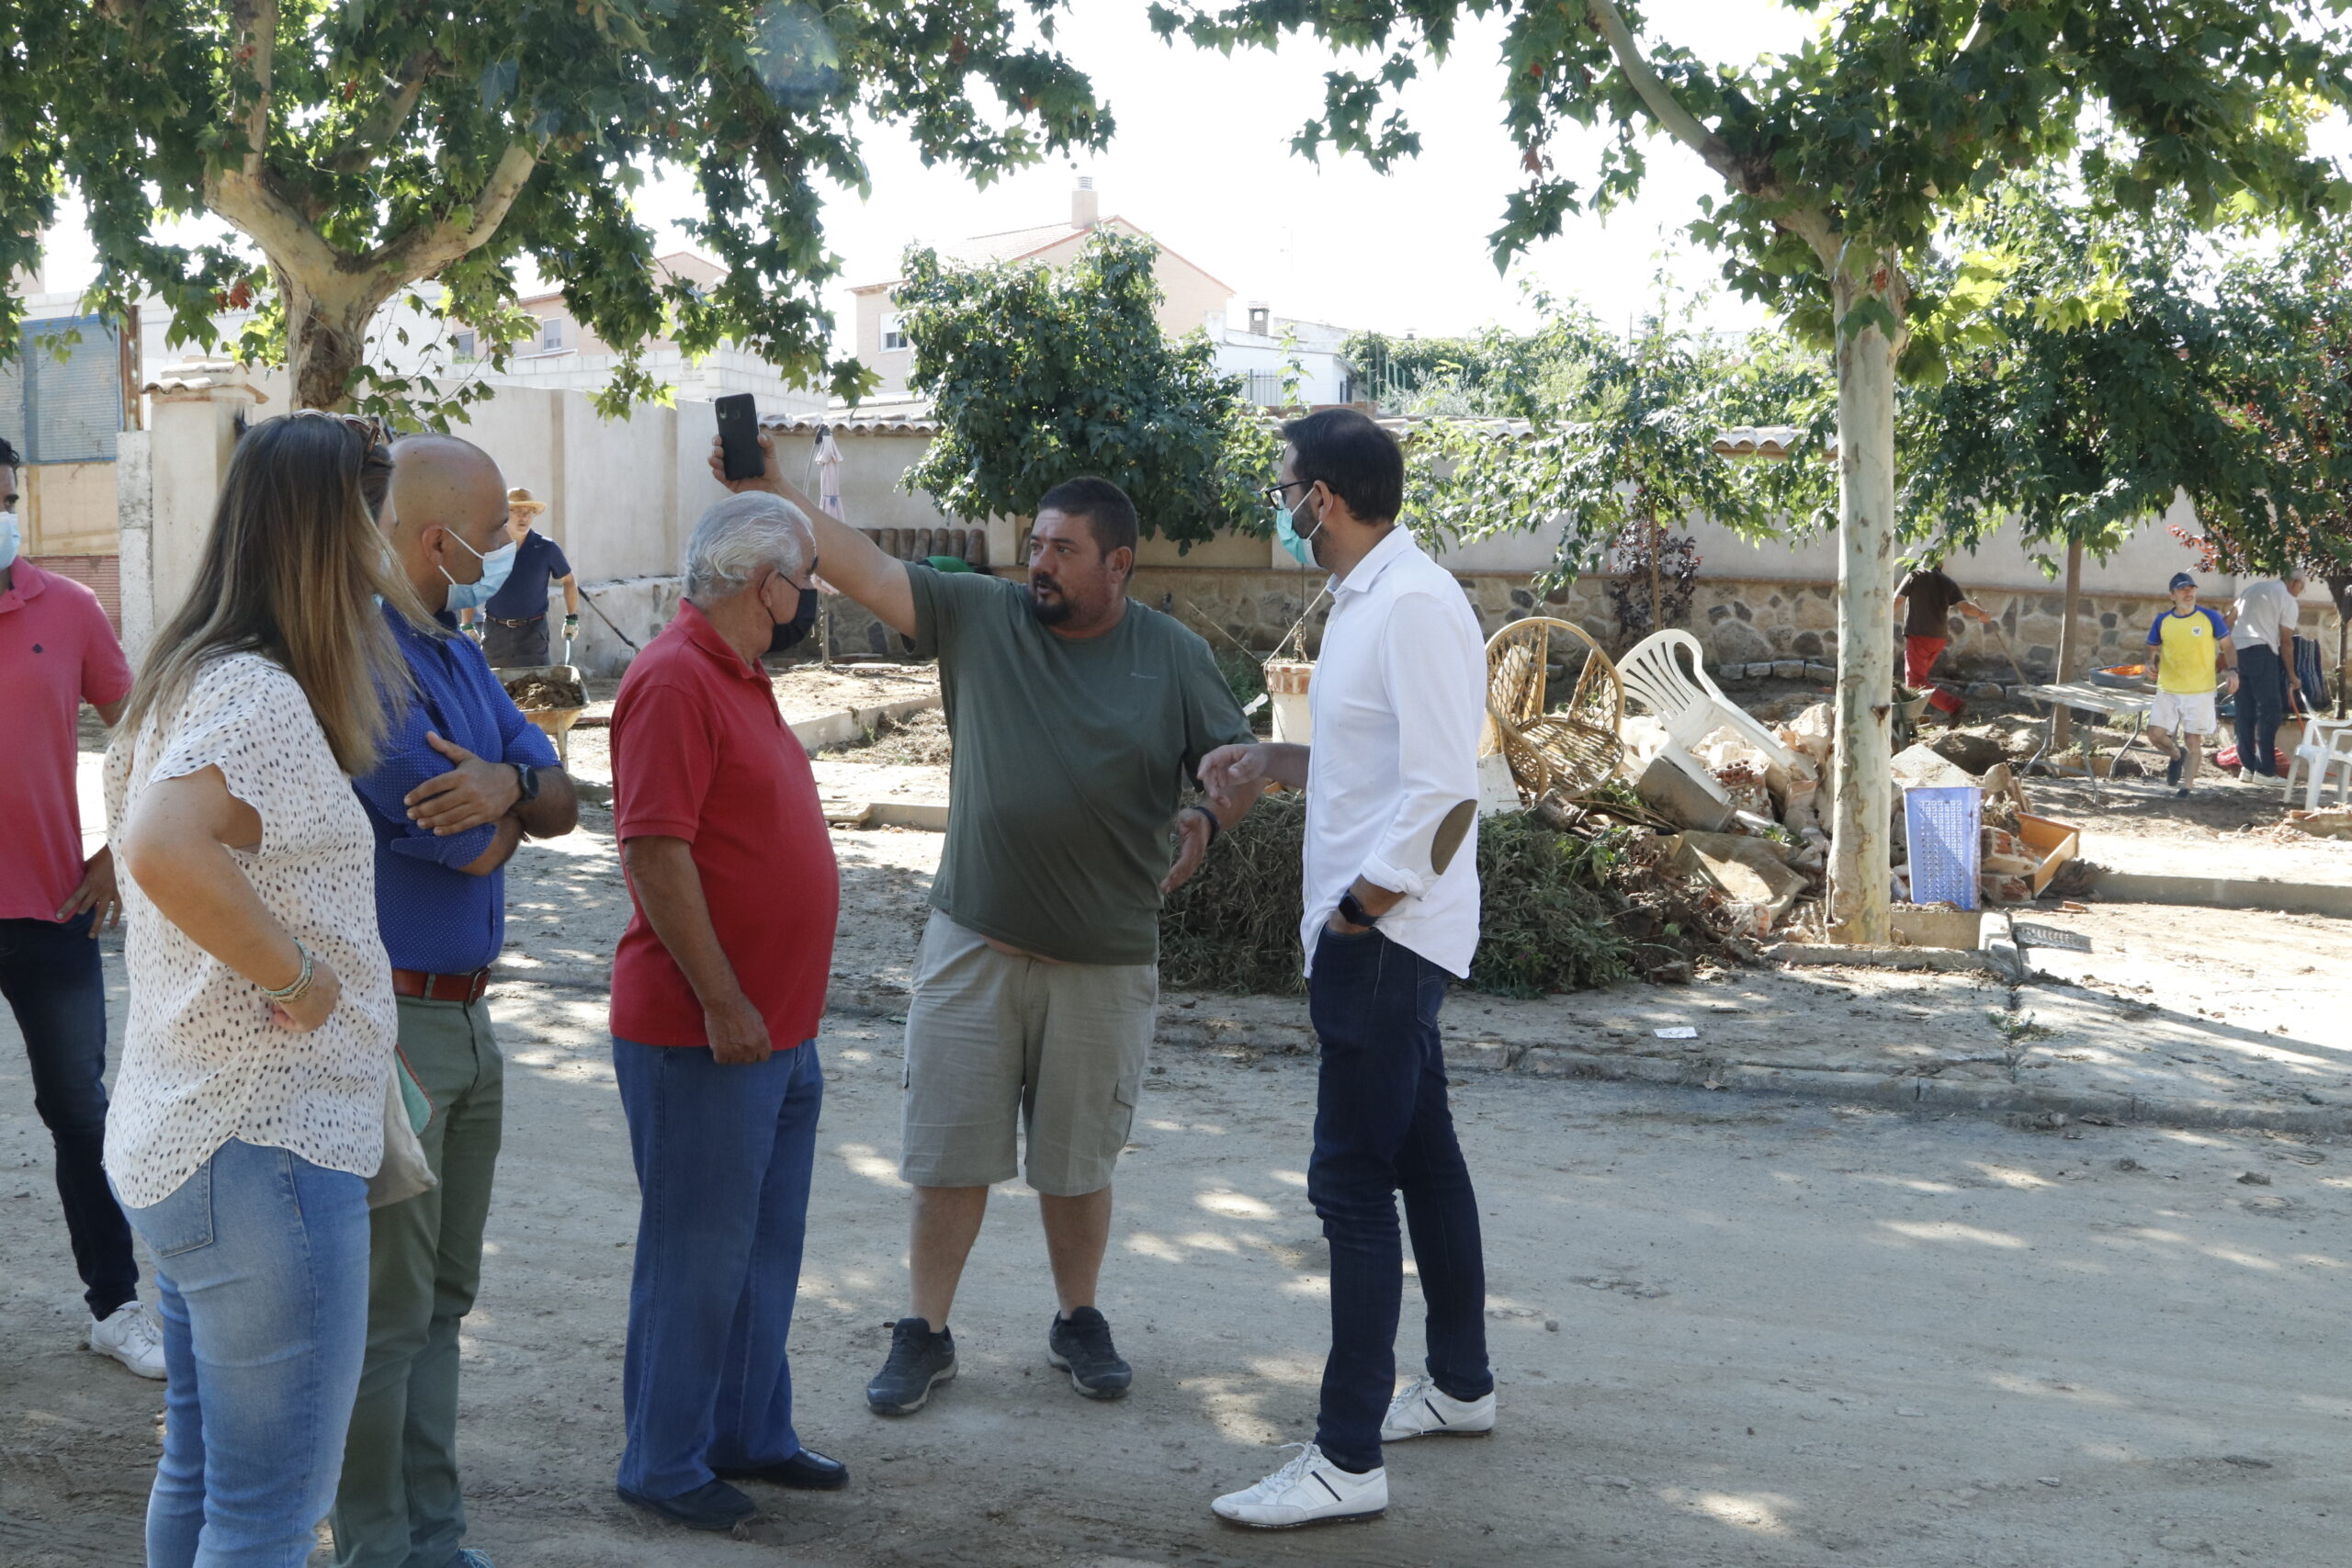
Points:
(807, 1471)
(714, 1506)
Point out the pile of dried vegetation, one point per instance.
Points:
(1561, 909)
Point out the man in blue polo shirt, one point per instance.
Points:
(463, 778)
(514, 620)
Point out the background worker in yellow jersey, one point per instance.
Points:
(2190, 656)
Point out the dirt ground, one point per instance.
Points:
(1894, 1340)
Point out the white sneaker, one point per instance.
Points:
(1425, 1410)
(132, 1337)
(2246, 776)
(1309, 1489)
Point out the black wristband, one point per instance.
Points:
(1216, 827)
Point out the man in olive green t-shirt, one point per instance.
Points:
(1076, 716)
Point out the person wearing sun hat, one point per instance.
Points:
(513, 624)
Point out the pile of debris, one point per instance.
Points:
(1738, 837)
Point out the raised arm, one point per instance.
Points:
(845, 558)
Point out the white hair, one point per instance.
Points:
(742, 537)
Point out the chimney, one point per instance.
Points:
(1261, 317)
(1085, 205)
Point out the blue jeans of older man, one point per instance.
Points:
(1383, 1127)
(724, 1156)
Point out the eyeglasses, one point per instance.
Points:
(1274, 493)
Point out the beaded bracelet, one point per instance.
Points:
(301, 981)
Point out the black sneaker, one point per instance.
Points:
(1080, 1346)
(2172, 772)
(920, 1361)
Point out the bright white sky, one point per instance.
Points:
(1202, 161)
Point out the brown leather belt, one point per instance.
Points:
(440, 987)
(503, 621)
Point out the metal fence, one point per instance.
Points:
(61, 399)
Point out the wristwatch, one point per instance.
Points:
(1355, 913)
(529, 777)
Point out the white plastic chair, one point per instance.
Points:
(2326, 749)
(1688, 704)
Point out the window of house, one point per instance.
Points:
(461, 345)
(894, 334)
(551, 335)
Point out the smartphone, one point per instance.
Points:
(738, 436)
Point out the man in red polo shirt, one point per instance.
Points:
(56, 653)
(717, 990)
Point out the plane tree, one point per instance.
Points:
(1840, 158)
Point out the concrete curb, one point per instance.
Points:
(836, 728)
(845, 725)
(1897, 1091)
(2224, 893)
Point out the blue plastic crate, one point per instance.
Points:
(1944, 830)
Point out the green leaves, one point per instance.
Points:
(1039, 376)
(388, 124)
(1604, 435)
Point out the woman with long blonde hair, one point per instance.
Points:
(249, 1108)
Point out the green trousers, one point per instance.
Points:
(399, 1505)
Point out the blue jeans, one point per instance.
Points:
(723, 1158)
(1382, 1127)
(261, 1265)
(51, 975)
(2262, 705)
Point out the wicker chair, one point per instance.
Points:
(1565, 754)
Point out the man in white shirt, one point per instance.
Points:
(1391, 897)
(2263, 629)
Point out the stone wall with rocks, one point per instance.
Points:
(1741, 622)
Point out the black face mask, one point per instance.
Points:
(788, 633)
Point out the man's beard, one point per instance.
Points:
(1051, 613)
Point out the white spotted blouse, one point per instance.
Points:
(202, 1061)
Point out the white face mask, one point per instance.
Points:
(11, 538)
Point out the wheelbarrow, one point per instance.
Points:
(552, 696)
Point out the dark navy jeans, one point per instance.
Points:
(2262, 706)
(1382, 1127)
(724, 1156)
(51, 975)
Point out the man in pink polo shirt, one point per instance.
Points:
(56, 653)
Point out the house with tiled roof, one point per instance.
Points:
(1190, 295)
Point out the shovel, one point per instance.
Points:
(2002, 637)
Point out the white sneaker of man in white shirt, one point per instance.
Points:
(131, 1336)
(1391, 918)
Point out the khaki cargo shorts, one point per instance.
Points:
(995, 1041)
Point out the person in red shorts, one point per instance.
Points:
(718, 988)
(1926, 602)
(56, 653)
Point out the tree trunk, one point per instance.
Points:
(327, 334)
(1657, 543)
(2339, 589)
(1862, 805)
(2062, 718)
